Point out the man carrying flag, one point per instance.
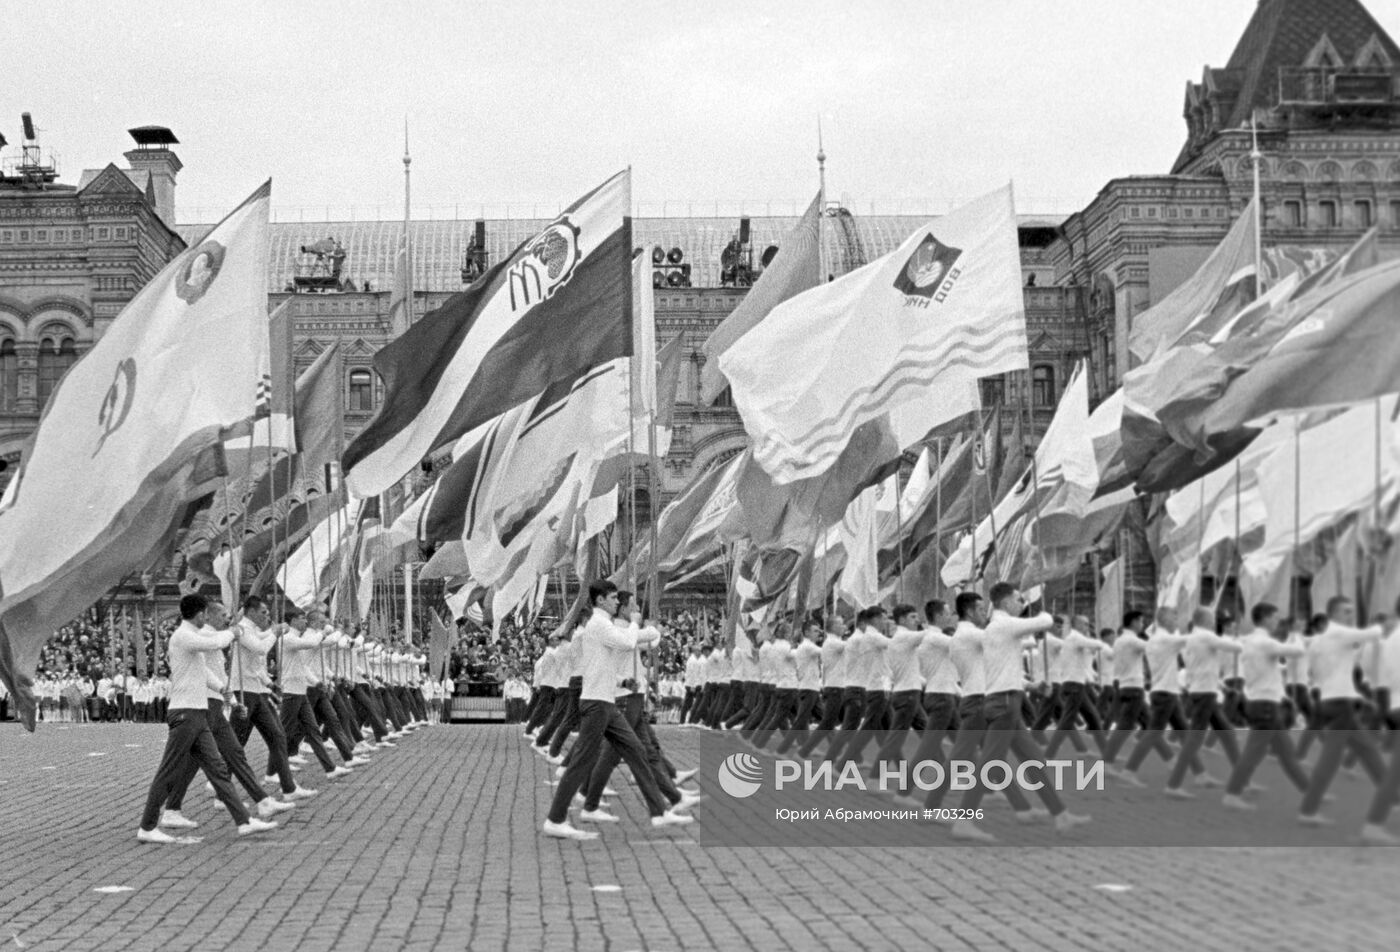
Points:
(559, 304)
(147, 408)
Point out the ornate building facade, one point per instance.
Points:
(1320, 81)
(71, 257)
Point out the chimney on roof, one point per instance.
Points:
(152, 154)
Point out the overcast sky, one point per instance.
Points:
(526, 102)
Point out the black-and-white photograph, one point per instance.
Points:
(638, 478)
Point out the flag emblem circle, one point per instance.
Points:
(740, 775)
(199, 272)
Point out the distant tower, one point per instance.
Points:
(152, 154)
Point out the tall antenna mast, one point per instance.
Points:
(407, 242)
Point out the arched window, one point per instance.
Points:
(9, 374)
(361, 391)
(1043, 386)
(56, 355)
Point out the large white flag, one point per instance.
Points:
(312, 568)
(132, 435)
(943, 309)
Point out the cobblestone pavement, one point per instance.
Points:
(436, 845)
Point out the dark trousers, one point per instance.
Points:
(264, 718)
(564, 721)
(232, 753)
(634, 710)
(1166, 709)
(1266, 735)
(553, 717)
(852, 713)
(741, 695)
(190, 739)
(939, 711)
(1074, 700)
(778, 716)
(324, 712)
(801, 719)
(541, 705)
(345, 709)
(906, 713)
(601, 721)
(972, 726)
(1128, 710)
(1006, 735)
(758, 711)
(1340, 733)
(872, 721)
(299, 724)
(831, 698)
(1203, 713)
(367, 710)
(688, 702)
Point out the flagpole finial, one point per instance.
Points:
(821, 159)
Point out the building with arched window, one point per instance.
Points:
(71, 257)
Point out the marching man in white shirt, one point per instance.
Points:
(1002, 642)
(1202, 655)
(190, 737)
(600, 644)
(1260, 654)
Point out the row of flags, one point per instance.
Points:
(543, 386)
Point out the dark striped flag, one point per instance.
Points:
(559, 304)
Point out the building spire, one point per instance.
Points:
(821, 160)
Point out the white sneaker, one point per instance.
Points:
(686, 803)
(357, 761)
(339, 772)
(1176, 793)
(386, 743)
(208, 787)
(300, 793)
(579, 800)
(672, 818)
(596, 816)
(297, 759)
(254, 825)
(567, 831)
(295, 767)
(1208, 781)
(970, 831)
(683, 775)
(560, 771)
(1067, 821)
(1032, 815)
(271, 780)
(175, 820)
(1232, 802)
(1315, 819)
(1373, 834)
(554, 761)
(609, 792)
(271, 807)
(155, 836)
(688, 791)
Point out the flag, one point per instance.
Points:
(795, 268)
(1342, 349)
(1108, 607)
(399, 319)
(559, 304)
(146, 408)
(779, 514)
(859, 582)
(643, 362)
(944, 309)
(228, 569)
(668, 378)
(1064, 474)
(1221, 286)
(438, 646)
(522, 457)
(311, 569)
(694, 524)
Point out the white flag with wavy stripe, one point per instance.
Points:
(942, 310)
